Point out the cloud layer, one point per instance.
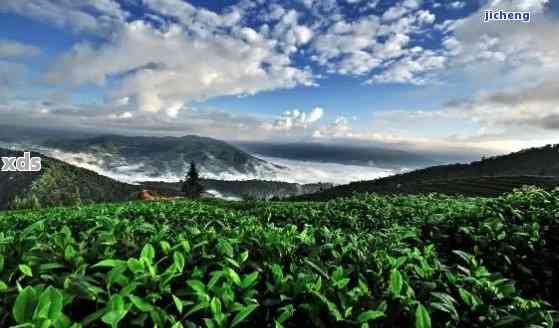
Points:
(150, 62)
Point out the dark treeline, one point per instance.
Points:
(490, 176)
(245, 189)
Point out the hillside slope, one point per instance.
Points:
(489, 177)
(161, 156)
(58, 183)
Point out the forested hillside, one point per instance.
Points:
(58, 184)
(488, 177)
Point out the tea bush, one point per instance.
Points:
(365, 261)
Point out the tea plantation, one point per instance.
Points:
(366, 261)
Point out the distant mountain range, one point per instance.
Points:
(134, 158)
(487, 177)
(131, 159)
(342, 154)
(153, 157)
(59, 183)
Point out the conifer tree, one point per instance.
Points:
(192, 187)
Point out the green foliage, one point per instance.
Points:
(366, 261)
(58, 184)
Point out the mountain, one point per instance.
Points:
(487, 177)
(342, 154)
(156, 157)
(134, 158)
(58, 183)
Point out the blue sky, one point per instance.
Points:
(412, 74)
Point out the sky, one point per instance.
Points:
(408, 74)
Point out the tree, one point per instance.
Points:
(192, 187)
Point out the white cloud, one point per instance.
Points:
(121, 116)
(101, 17)
(295, 119)
(303, 34)
(340, 128)
(499, 121)
(457, 5)
(394, 13)
(172, 67)
(360, 46)
(535, 5)
(412, 69)
(401, 9)
(13, 49)
(197, 19)
(508, 52)
(151, 73)
(314, 172)
(11, 75)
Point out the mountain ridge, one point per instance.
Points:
(147, 156)
(60, 183)
(532, 166)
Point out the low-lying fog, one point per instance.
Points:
(289, 170)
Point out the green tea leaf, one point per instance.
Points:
(463, 255)
(185, 246)
(26, 270)
(178, 303)
(197, 285)
(69, 253)
(242, 258)
(148, 253)
(179, 261)
(396, 282)
(209, 323)
(243, 314)
(225, 248)
(110, 263)
(24, 305)
(215, 306)
(140, 303)
(135, 265)
(468, 298)
(197, 307)
(165, 246)
(422, 317)
(216, 276)
(50, 305)
(249, 280)
(231, 274)
(116, 311)
(369, 315)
